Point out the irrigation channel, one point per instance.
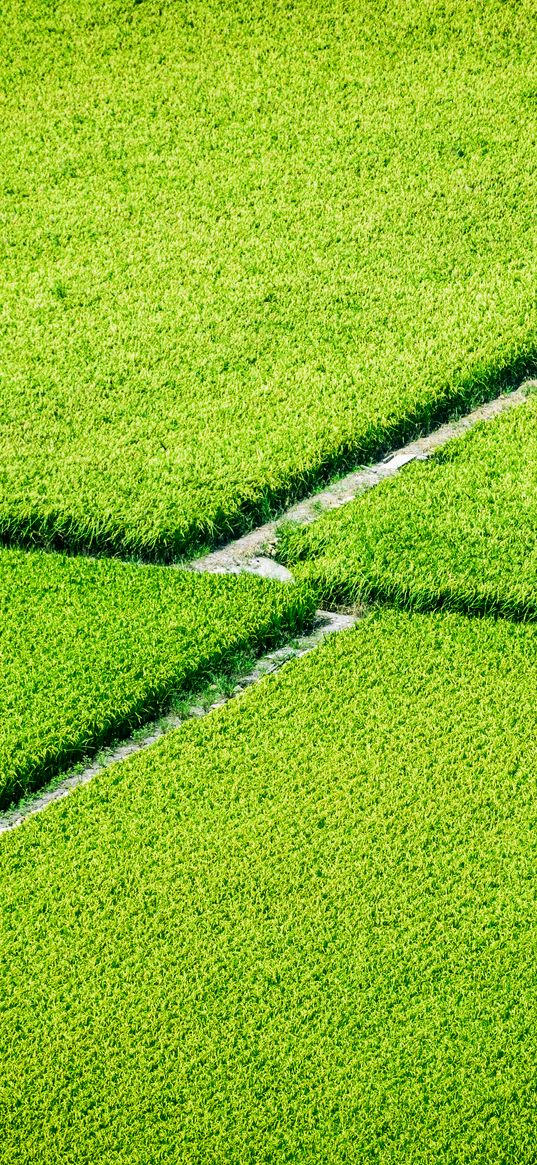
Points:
(254, 553)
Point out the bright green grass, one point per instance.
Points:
(246, 245)
(459, 530)
(301, 930)
(89, 647)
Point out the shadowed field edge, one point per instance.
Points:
(37, 771)
(59, 531)
(473, 602)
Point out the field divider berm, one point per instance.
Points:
(196, 705)
(255, 552)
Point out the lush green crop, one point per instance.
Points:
(89, 647)
(245, 245)
(302, 929)
(459, 530)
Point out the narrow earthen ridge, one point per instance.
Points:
(253, 552)
(325, 624)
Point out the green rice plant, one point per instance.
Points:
(302, 929)
(247, 246)
(457, 531)
(89, 648)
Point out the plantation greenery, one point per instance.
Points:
(458, 530)
(90, 648)
(302, 929)
(247, 245)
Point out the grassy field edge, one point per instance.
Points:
(57, 531)
(279, 628)
(478, 604)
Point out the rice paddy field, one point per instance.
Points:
(302, 929)
(246, 247)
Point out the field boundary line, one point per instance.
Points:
(326, 623)
(254, 552)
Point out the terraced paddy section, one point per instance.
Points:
(248, 246)
(457, 531)
(89, 648)
(302, 929)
